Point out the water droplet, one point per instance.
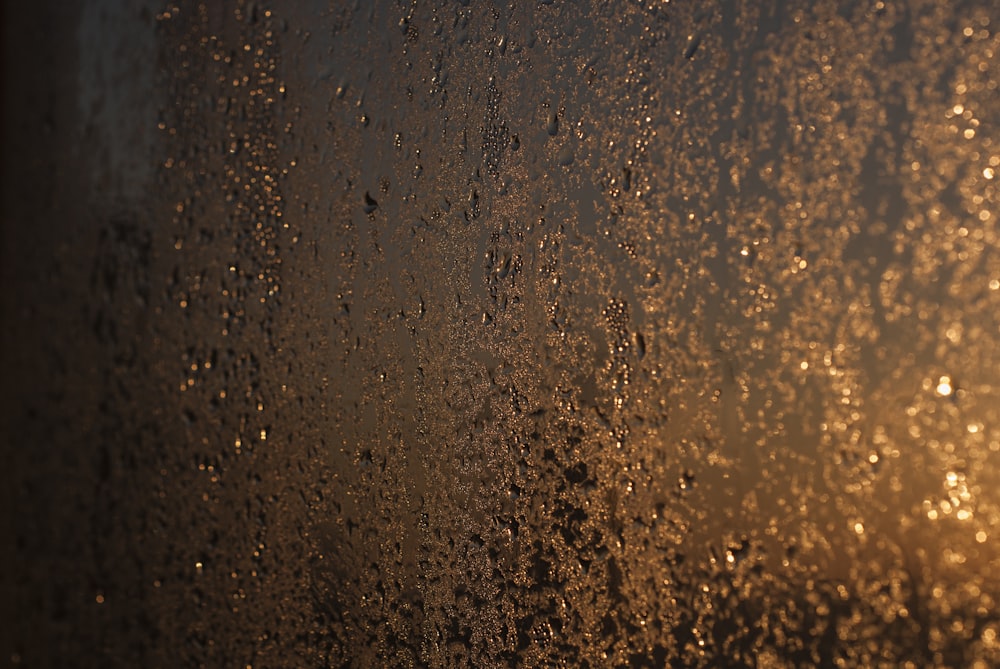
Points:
(552, 125)
(693, 42)
(565, 156)
(370, 203)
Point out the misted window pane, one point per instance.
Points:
(471, 334)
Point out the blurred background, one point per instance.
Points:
(460, 333)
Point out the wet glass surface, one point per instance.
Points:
(469, 334)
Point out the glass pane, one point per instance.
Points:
(469, 334)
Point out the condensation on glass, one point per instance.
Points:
(547, 334)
